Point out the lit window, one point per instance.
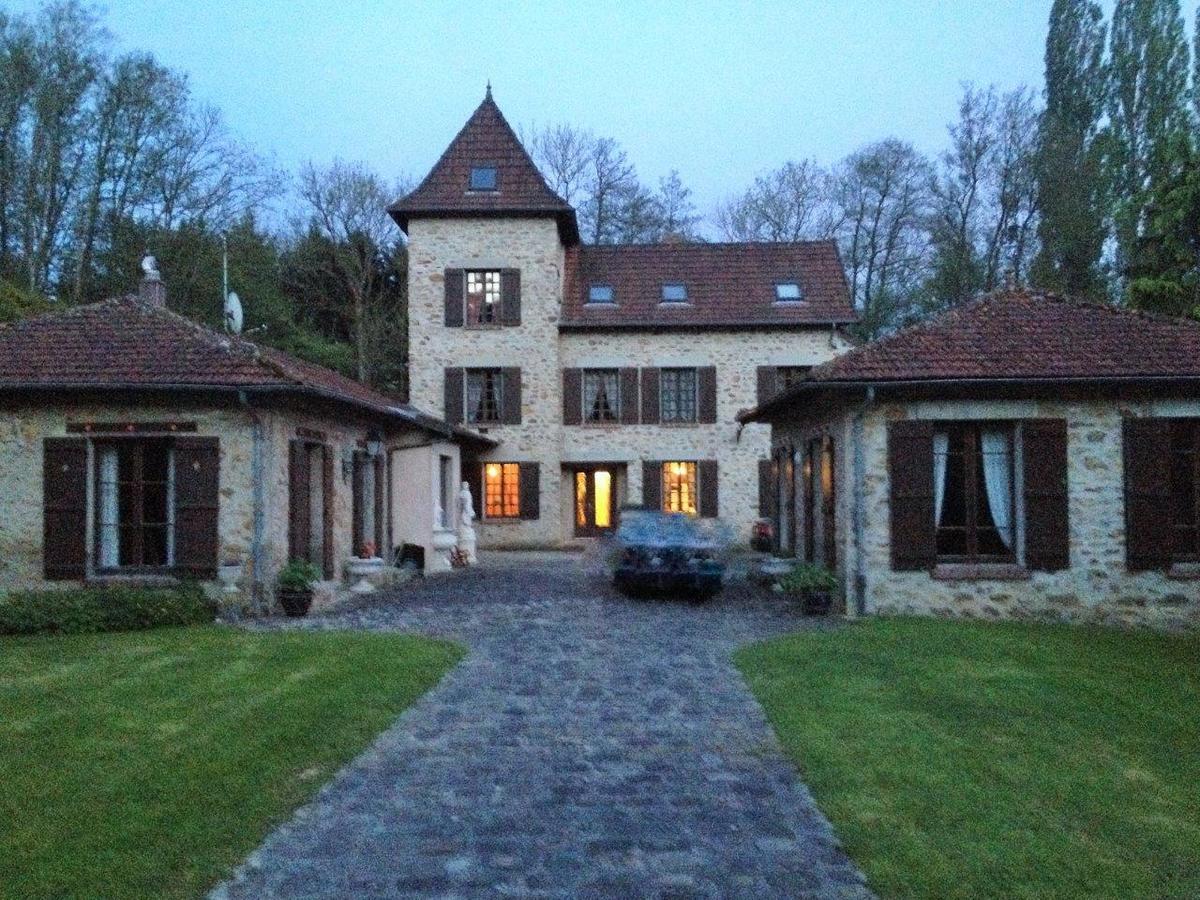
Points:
(601, 395)
(677, 393)
(788, 292)
(600, 293)
(501, 490)
(973, 492)
(483, 178)
(679, 487)
(483, 298)
(674, 292)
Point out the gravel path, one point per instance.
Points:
(587, 747)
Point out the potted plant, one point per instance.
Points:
(813, 584)
(295, 583)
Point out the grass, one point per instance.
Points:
(986, 760)
(149, 764)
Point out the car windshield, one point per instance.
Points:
(644, 528)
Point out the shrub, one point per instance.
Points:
(90, 610)
(298, 575)
(808, 577)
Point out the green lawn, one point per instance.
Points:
(986, 760)
(149, 764)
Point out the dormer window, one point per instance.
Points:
(674, 292)
(788, 292)
(600, 293)
(484, 178)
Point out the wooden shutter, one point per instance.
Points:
(510, 296)
(64, 508)
(709, 494)
(629, 396)
(572, 396)
(511, 414)
(1047, 531)
(767, 380)
(357, 538)
(530, 490)
(299, 511)
(454, 395)
(767, 488)
(381, 508)
(650, 409)
(706, 385)
(652, 484)
(327, 518)
(197, 502)
(1148, 509)
(454, 298)
(910, 472)
(472, 473)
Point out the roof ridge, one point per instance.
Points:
(698, 243)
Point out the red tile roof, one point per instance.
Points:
(486, 140)
(727, 284)
(125, 343)
(1021, 335)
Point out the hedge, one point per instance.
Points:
(90, 610)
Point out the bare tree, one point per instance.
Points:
(792, 203)
(563, 153)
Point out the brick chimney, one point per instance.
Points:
(151, 290)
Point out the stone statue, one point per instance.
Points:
(466, 516)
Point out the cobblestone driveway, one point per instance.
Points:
(586, 747)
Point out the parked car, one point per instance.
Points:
(668, 554)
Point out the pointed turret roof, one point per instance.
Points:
(487, 141)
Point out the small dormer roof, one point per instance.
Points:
(486, 142)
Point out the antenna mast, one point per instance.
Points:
(224, 267)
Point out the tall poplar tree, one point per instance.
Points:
(1071, 190)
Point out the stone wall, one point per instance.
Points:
(1096, 588)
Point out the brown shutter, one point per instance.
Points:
(299, 512)
(64, 508)
(766, 488)
(706, 381)
(197, 502)
(910, 471)
(454, 395)
(650, 410)
(530, 490)
(511, 414)
(629, 396)
(357, 537)
(1148, 510)
(327, 518)
(572, 396)
(381, 508)
(472, 473)
(454, 298)
(510, 296)
(652, 484)
(767, 382)
(709, 494)
(1047, 531)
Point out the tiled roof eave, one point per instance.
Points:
(713, 325)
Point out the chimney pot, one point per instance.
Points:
(151, 290)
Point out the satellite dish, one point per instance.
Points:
(233, 313)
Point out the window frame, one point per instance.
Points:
(495, 179)
(604, 286)
(795, 282)
(169, 526)
(674, 301)
(972, 458)
(509, 491)
(674, 373)
(484, 372)
(1185, 551)
(613, 398)
(686, 473)
(497, 307)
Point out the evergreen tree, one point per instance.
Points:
(1148, 111)
(1071, 193)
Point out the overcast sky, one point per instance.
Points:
(721, 91)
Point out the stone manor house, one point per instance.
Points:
(608, 375)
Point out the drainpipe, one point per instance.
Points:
(860, 497)
(257, 470)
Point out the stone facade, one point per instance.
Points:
(1096, 588)
(541, 352)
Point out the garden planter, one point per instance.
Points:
(817, 603)
(361, 570)
(295, 603)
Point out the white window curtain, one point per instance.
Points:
(997, 477)
(110, 532)
(474, 397)
(941, 454)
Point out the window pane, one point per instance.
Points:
(601, 395)
(483, 178)
(483, 298)
(501, 490)
(600, 293)
(678, 395)
(674, 292)
(788, 290)
(485, 395)
(679, 487)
